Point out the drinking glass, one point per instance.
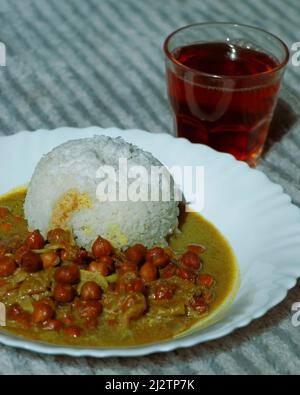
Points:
(223, 82)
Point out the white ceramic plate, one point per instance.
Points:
(258, 219)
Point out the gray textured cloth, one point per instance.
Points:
(99, 62)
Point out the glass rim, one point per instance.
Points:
(170, 56)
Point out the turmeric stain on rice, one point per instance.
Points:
(70, 202)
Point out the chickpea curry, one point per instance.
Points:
(57, 292)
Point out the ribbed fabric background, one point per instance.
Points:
(100, 62)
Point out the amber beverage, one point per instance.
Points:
(223, 93)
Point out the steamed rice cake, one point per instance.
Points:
(62, 194)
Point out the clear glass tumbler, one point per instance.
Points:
(223, 83)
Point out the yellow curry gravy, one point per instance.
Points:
(163, 320)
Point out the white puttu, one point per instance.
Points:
(62, 193)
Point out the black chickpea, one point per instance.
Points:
(35, 240)
(64, 293)
(101, 247)
(42, 312)
(136, 253)
(90, 309)
(7, 266)
(148, 272)
(90, 291)
(67, 274)
(31, 262)
(99, 267)
(49, 259)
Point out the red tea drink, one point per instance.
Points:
(223, 95)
